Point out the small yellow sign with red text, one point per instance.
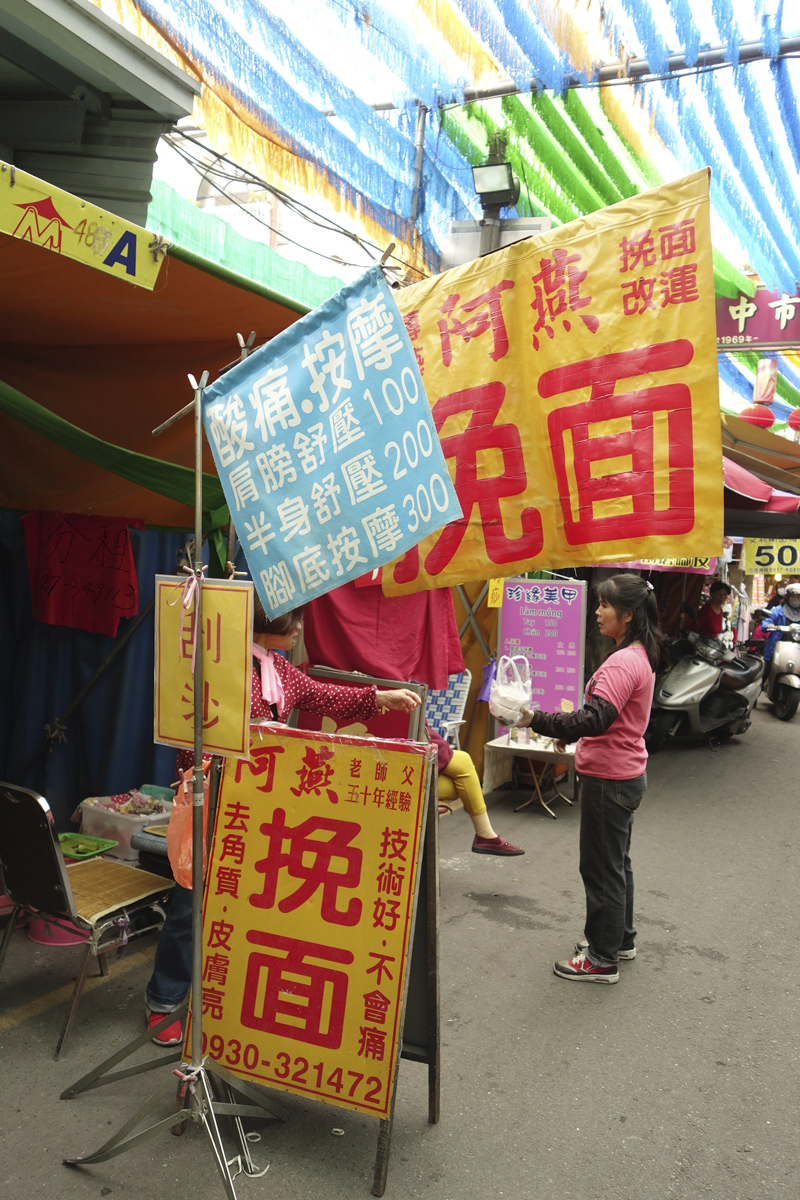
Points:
(573, 382)
(225, 643)
(40, 213)
(307, 920)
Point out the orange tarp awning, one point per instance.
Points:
(113, 360)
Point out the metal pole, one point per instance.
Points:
(490, 229)
(197, 790)
(230, 566)
(419, 145)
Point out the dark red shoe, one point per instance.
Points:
(495, 845)
(581, 967)
(171, 1036)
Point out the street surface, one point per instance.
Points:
(679, 1082)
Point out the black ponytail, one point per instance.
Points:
(631, 594)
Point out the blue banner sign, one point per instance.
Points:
(326, 448)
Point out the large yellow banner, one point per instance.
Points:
(307, 919)
(42, 214)
(224, 640)
(573, 383)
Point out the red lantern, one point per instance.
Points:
(758, 415)
(794, 419)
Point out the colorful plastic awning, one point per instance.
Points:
(321, 98)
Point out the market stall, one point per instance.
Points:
(92, 358)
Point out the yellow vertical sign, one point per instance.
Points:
(225, 642)
(495, 597)
(308, 911)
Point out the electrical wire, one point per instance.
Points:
(259, 220)
(244, 175)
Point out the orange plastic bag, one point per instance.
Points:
(179, 830)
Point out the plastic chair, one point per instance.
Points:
(107, 901)
(444, 709)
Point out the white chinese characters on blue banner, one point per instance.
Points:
(327, 452)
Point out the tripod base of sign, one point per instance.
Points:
(199, 1101)
(206, 1092)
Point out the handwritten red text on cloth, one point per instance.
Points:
(81, 570)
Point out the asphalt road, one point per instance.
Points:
(679, 1082)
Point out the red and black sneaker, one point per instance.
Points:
(581, 967)
(495, 845)
(623, 956)
(171, 1036)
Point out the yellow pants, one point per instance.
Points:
(460, 779)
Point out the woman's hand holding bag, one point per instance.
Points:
(511, 690)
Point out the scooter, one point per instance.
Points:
(708, 694)
(783, 685)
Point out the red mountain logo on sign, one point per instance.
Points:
(41, 224)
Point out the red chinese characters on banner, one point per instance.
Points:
(318, 872)
(556, 291)
(488, 314)
(391, 877)
(296, 983)
(233, 818)
(639, 408)
(315, 774)
(411, 322)
(213, 637)
(215, 970)
(677, 284)
(481, 434)
(262, 761)
(209, 704)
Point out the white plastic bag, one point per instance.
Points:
(511, 689)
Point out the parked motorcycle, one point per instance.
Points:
(710, 692)
(783, 684)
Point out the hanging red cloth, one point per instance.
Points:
(81, 570)
(396, 637)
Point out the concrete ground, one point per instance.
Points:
(679, 1082)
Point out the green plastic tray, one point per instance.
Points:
(161, 793)
(78, 845)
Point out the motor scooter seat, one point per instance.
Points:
(741, 672)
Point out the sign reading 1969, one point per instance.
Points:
(766, 557)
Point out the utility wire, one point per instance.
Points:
(254, 216)
(244, 175)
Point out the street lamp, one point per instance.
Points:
(495, 184)
(497, 188)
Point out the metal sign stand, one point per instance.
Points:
(204, 1079)
(197, 1099)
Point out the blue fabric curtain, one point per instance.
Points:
(109, 747)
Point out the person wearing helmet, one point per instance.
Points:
(782, 614)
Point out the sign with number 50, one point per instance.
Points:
(768, 557)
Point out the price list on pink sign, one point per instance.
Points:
(545, 622)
